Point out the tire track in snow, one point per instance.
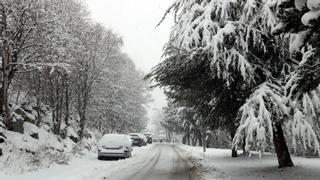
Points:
(131, 168)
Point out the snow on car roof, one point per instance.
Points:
(114, 140)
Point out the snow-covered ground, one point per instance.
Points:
(218, 164)
(214, 164)
(81, 168)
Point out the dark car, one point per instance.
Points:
(149, 138)
(137, 140)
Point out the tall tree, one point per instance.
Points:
(229, 45)
(19, 22)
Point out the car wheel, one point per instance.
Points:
(126, 154)
(100, 158)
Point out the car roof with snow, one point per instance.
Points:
(115, 140)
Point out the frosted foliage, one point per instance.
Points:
(302, 130)
(208, 26)
(298, 40)
(263, 17)
(313, 4)
(304, 117)
(256, 121)
(249, 8)
(196, 20)
(292, 83)
(310, 16)
(311, 9)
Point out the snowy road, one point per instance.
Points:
(152, 162)
(164, 162)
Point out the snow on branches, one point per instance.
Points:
(256, 115)
(267, 106)
(212, 28)
(306, 112)
(226, 32)
(308, 11)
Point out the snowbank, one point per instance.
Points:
(30, 147)
(83, 168)
(218, 164)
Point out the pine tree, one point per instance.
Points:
(232, 41)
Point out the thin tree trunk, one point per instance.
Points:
(244, 146)
(234, 152)
(194, 141)
(200, 138)
(1, 98)
(56, 128)
(281, 147)
(82, 125)
(60, 106)
(204, 143)
(66, 118)
(38, 102)
(188, 137)
(4, 93)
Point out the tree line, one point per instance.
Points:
(247, 67)
(55, 54)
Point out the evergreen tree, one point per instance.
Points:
(225, 51)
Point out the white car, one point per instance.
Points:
(114, 145)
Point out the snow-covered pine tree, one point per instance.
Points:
(235, 37)
(203, 37)
(288, 101)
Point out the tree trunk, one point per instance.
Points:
(38, 101)
(56, 107)
(204, 143)
(200, 139)
(60, 106)
(1, 99)
(244, 146)
(188, 137)
(234, 152)
(184, 139)
(4, 90)
(66, 118)
(82, 126)
(281, 147)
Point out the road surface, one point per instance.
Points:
(163, 162)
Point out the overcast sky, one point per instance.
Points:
(135, 21)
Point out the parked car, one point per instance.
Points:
(138, 139)
(149, 138)
(114, 145)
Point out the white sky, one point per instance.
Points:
(135, 21)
